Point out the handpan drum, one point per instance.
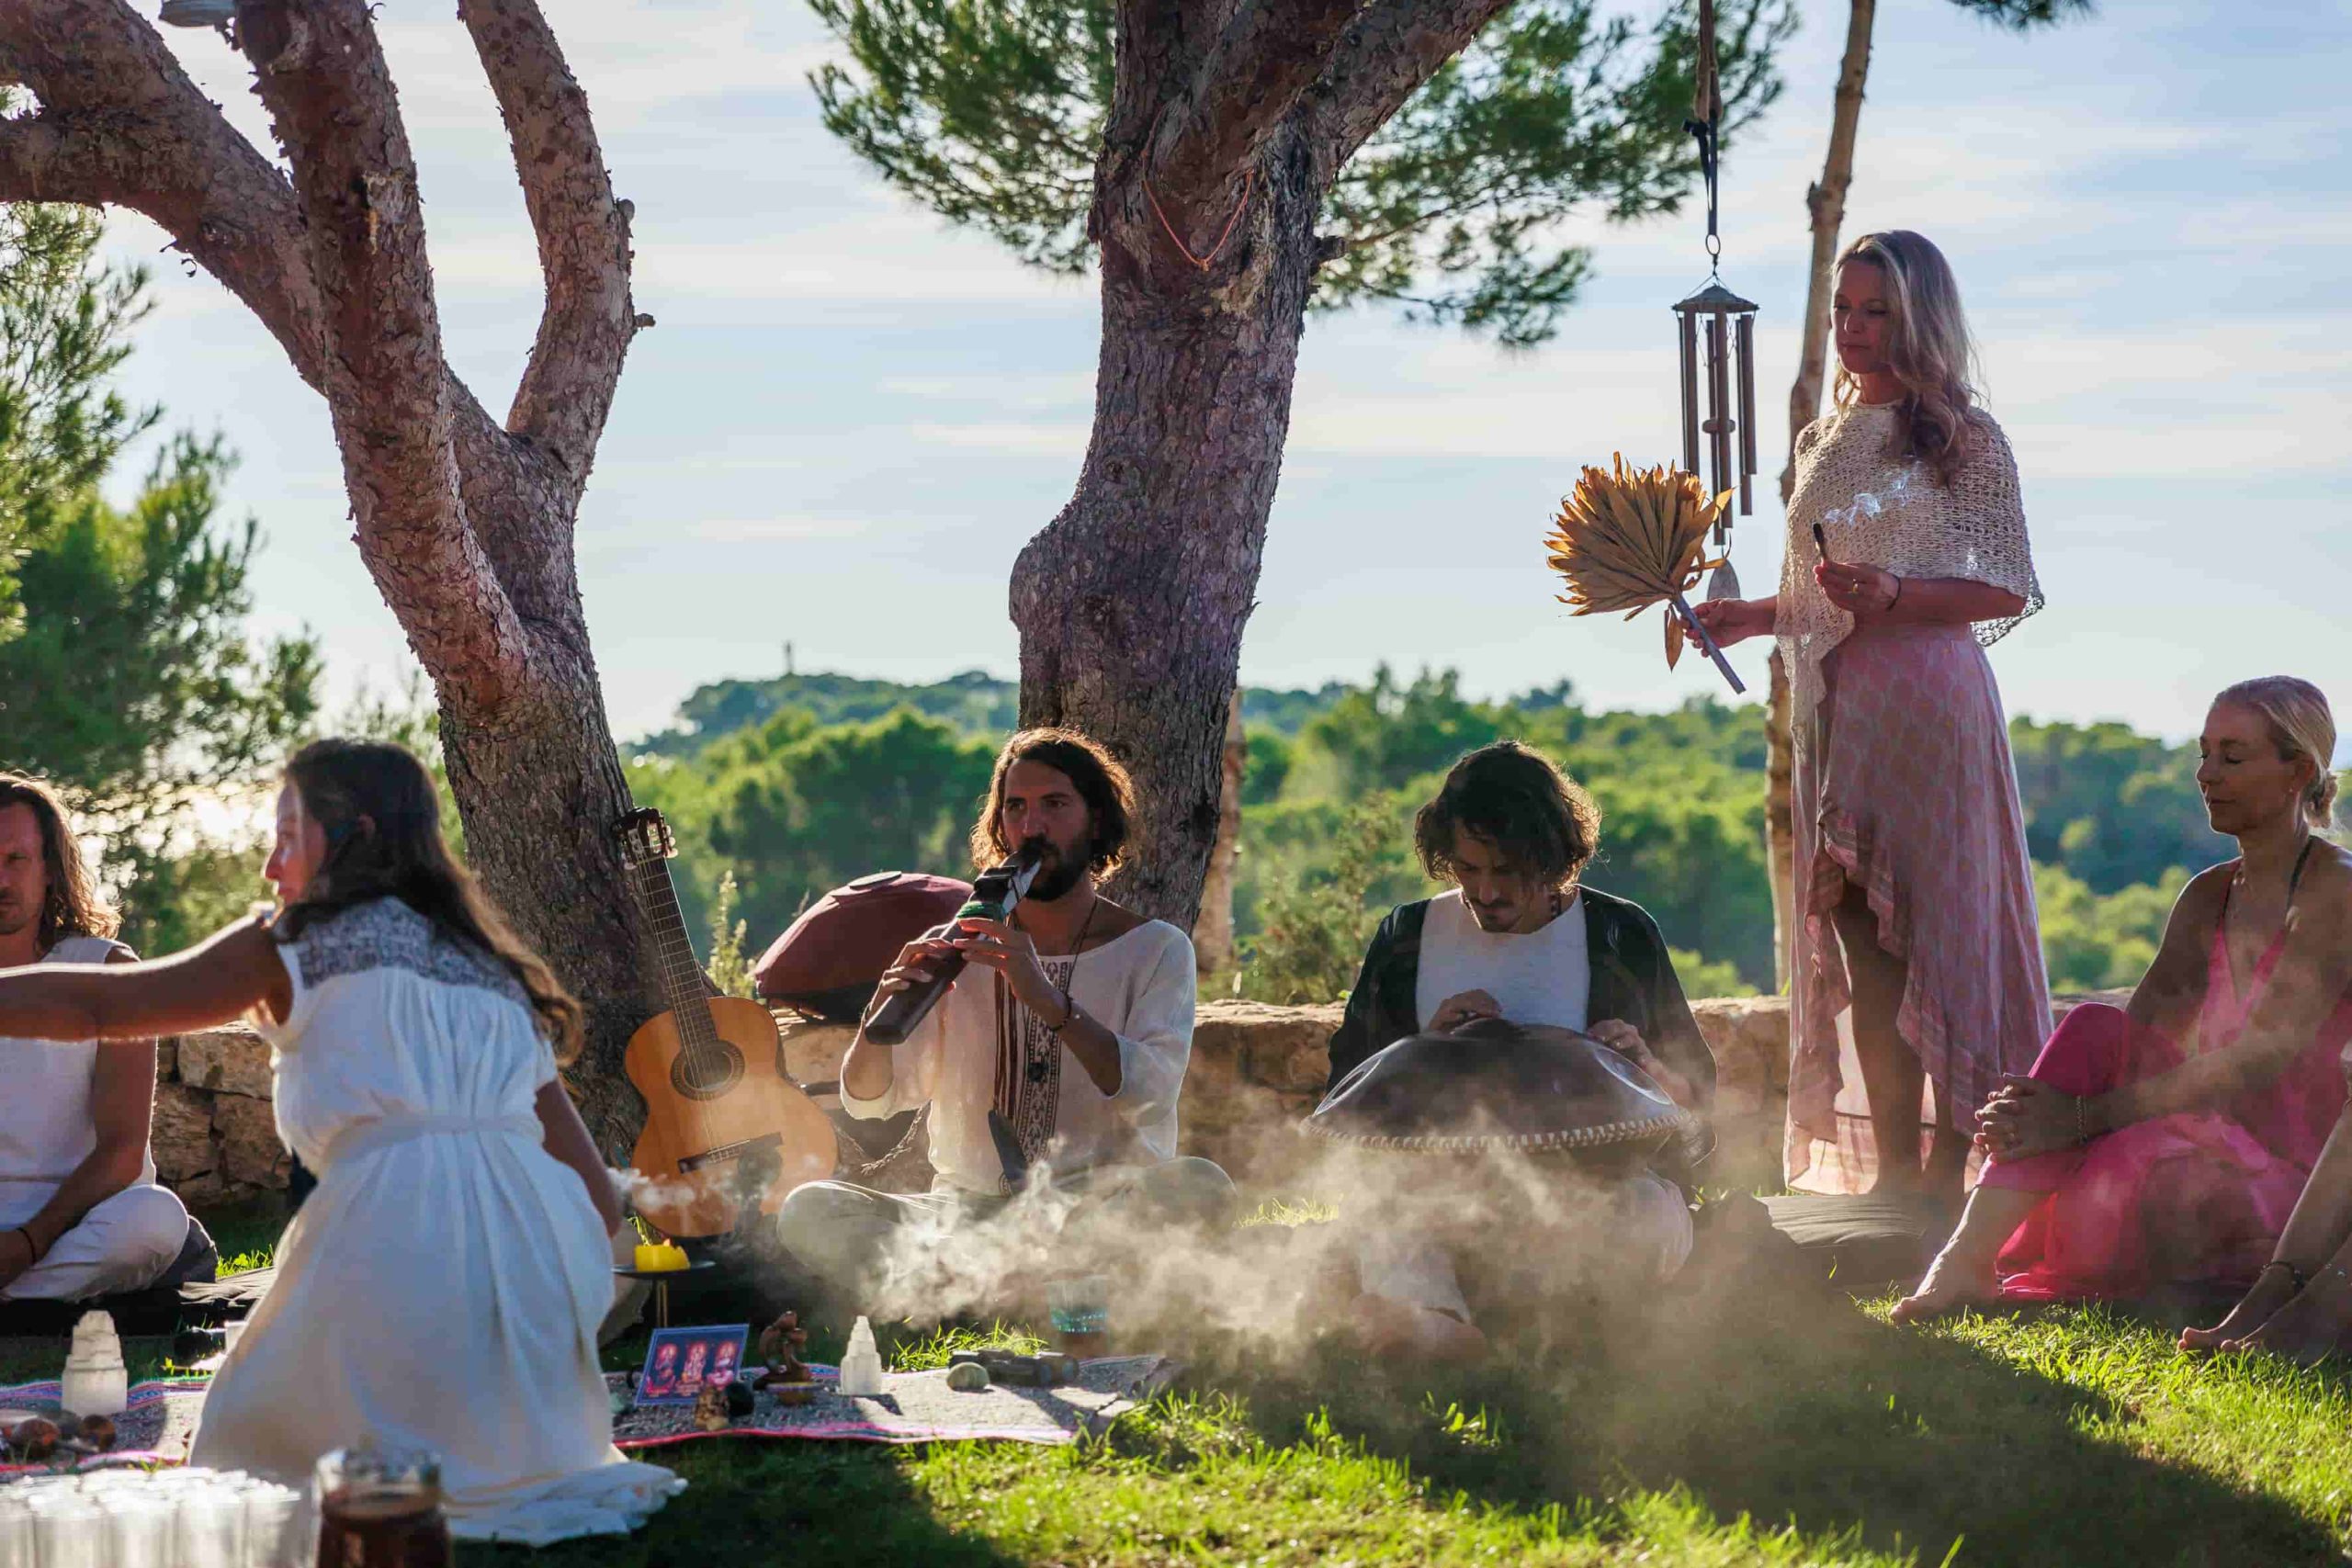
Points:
(1494, 1085)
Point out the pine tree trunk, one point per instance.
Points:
(1825, 204)
(1131, 603)
(540, 799)
(1212, 932)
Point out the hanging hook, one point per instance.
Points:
(1706, 117)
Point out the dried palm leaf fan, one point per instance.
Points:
(1627, 538)
(1495, 1086)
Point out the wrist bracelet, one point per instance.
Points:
(1891, 603)
(32, 1247)
(1070, 1011)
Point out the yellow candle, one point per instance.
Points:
(660, 1256)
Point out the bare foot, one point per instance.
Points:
(2307, 1329)
(1952, 1283)
(1387, 1327)
(2274, 1289)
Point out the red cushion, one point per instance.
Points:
(851, 935)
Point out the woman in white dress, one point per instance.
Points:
(443, 1286)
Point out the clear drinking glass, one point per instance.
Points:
(139, 1527)
(209, 1529)
(15, 1535)
(1081, 1310)
(275, 1537)
(69, 1535)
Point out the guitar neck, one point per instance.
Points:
(681, 978)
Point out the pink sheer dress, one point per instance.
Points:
(2224, 1180)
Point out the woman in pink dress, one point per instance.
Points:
(2167, 1141)
(1906, 558)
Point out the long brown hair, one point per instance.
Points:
(1101, 781)
(1927, 349)
(382, 820)
(74, 906)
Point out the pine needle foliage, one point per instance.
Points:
(1465, 209)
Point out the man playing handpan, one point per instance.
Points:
(1521, 938)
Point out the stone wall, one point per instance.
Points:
(1257, 1071)
(216, 1137)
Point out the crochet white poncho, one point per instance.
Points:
(1885, 511)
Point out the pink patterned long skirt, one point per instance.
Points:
(1904, 788)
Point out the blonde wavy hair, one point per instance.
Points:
(1927, 349)
(2302, 728)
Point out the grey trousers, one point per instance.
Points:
(838, 1232)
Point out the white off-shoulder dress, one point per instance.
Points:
(442, 1287)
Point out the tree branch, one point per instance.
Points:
(322, 74)
(584, 332)
(1268, 53)
(1381, 59)
(122, 125)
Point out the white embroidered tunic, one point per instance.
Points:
(1140, 985)
(443, 1286)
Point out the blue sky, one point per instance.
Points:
(851, 417)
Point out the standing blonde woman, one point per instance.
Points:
(1906, 558)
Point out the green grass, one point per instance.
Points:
(1766, 1423)
(1758, 1421)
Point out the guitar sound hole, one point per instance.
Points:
(705, 1072)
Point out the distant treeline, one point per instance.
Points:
(797, 784)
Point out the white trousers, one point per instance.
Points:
(1637, 1229)
(123, 1244)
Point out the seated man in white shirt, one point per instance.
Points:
(1521, 937)
(1072, 1023)
(80, 1212)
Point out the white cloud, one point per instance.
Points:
(757, 530)
(1005, 438)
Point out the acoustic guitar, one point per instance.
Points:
(722, 1122)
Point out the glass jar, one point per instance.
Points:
(381, 1508)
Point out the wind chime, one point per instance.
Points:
(1717, 332)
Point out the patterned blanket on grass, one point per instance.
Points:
(919, 1407)
(916, 1407)
(155, 1429)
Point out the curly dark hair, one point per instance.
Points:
(74, 906)
(1542, 820)
(382, 820)
(1101, 781)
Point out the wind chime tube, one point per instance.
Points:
(1719, 402)
(1690, 336)
(1747, 413)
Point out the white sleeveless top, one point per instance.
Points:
(1543, 976)
(45, 1125)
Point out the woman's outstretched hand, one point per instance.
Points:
(1730, 621)
(2026, 1117)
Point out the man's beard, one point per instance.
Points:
(15, 918)
(1057, 873)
